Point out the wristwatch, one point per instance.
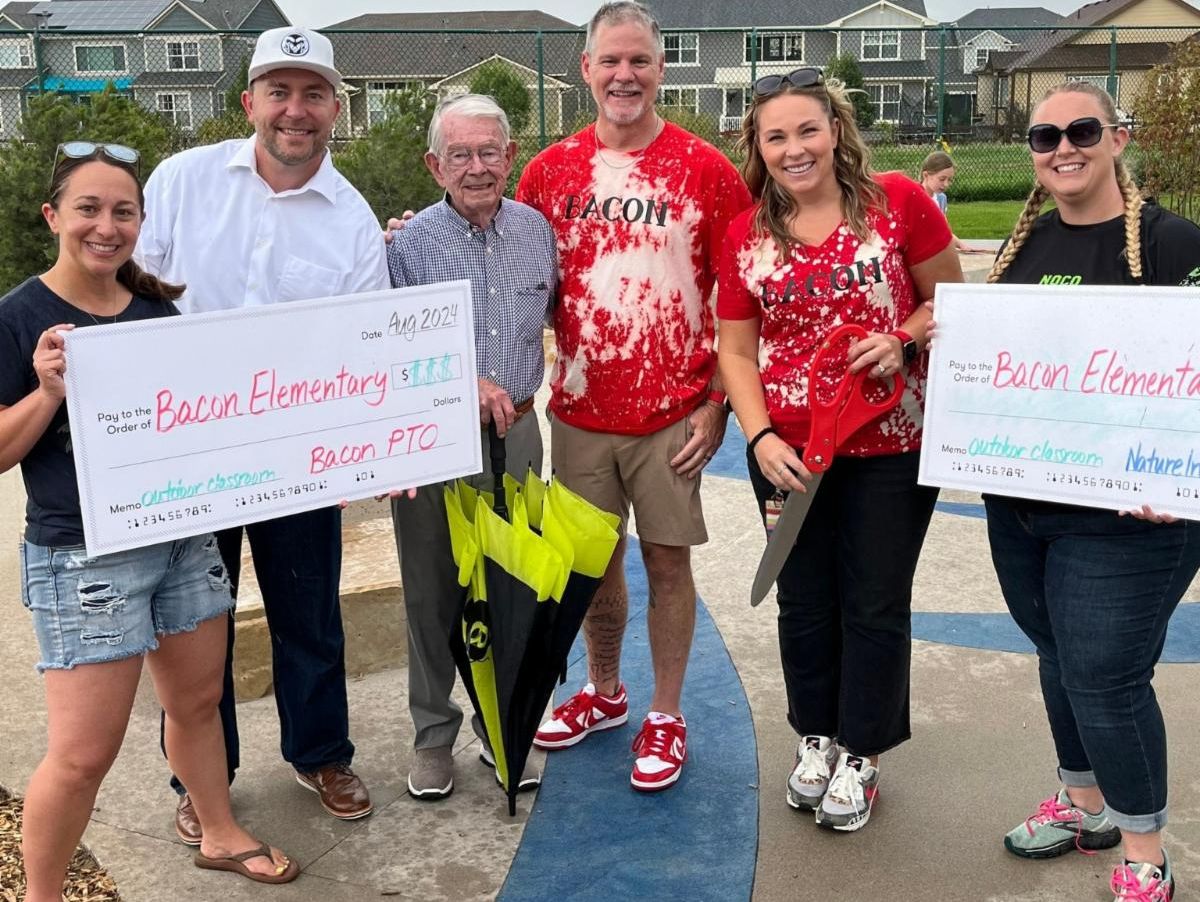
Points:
(908, 345)
(719, 398)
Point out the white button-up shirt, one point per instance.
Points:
(213, 224)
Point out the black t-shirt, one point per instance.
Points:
(52, 514)
(1056, 253)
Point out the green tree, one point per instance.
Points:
(385, 163)
(501, 82)
(1165, 154)
(233, 122)
(844, 67)
(26, 245)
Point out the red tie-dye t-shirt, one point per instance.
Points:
(842, 280)
(639, 237)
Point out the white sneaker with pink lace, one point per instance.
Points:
(1143, 882)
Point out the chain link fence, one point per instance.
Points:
(969, 90)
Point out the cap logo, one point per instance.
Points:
(295, 44)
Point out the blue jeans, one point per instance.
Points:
(298, 563)
(1094, 592)
(845, 600)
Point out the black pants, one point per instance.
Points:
(297, 560)
(845, 599)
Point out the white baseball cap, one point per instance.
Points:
(291, 47)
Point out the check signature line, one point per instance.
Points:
(194, 451)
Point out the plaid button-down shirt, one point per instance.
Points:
(513, 270)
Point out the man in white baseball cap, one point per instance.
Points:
(267, 220)
(294, 48)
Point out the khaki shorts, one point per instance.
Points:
(614, 471)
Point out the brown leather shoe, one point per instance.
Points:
(187, 825)
(342, 793)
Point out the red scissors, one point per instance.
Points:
(855, 403)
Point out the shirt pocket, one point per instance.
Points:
(530, 305)
(301, 279)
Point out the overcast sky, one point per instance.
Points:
(324, 12)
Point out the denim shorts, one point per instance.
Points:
(91, 610)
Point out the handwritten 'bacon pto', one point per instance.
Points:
(268, 392)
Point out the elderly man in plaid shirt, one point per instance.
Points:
(507, 251)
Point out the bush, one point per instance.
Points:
(233, 122)
(26, 244)
(500, 82)
(844, 67)
(1167, 158)
(385, 163)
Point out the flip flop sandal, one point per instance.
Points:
(236, 864)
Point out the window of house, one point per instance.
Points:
(377, 92)
(15, 55)
(886, 100)
(1100, 80)
(183, 55)
(881, 45)
(682, 49)
(1003, 87)
(688, 98)
(981, 56)
(177, 108)
(775, 47)
(100, 58)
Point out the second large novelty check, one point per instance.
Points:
(1080, 394)
(189, 423)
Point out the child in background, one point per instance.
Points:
(937, 172)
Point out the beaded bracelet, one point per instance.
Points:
(766, 430)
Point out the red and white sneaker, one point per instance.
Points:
(587, 711)
(661, 748)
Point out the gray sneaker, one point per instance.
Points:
(851, 795)
(806, 784)
(1137, 881)
(531, 777)
(1057, 827)
(431, 776)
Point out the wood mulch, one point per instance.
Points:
(86, 880)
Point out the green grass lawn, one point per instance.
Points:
(985, 218)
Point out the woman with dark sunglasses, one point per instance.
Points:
(98, 618)
(828, 243)
(1092, 590)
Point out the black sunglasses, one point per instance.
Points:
(807, 77)
(1084, 132)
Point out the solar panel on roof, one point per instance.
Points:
(101, 15)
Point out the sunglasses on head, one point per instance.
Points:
(1086, 132)
(82, 150)
(807, 77)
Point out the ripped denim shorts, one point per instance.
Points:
(91, 610)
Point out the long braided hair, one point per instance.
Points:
(1129, 190)
(851, 168)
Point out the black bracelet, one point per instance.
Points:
(766, 430)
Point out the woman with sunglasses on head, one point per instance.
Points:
(97, 619)
(829, 243)
(1092, 590)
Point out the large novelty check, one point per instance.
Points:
(1081, 394)
(186, 424)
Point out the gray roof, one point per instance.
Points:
(19, 11)
(109, 15)
(178, 79)
(1076, 57)
(997, 18)
(772, 13)
(490, 19)
(222, 14)
(362, 55)
(16, 78)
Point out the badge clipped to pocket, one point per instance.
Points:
(774, 507)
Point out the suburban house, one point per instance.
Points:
(1117, 41)
(172, 56)
(380, 53)
(715, 50)
(970, 43)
